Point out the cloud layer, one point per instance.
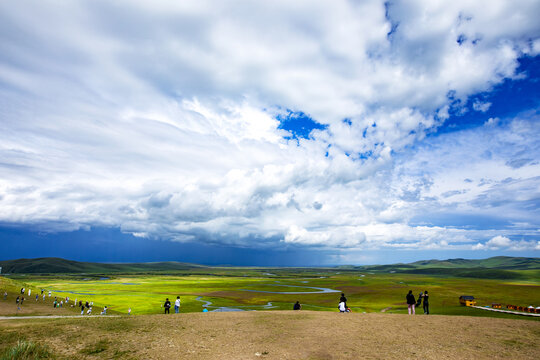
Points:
(162, 119)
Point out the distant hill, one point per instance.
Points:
(58, 265)
(498, 267)
(497, 262)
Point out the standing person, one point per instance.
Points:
(167, 306)
(426, 303)
(49, 293)
(17, 300)
(37, 297)
(419, 301)
(42, 290)
(29, 292)
(5, 295)
(22, 291)
(411, 302)
(129, 311)
(54, 304)
(342, 308)
(297, 306)
(82, 309)
(22, 299)
(343, 299)
(43, 297)
(177, 305)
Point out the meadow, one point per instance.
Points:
(318, 289)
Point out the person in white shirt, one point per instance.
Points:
(177, 305)
(342, 308)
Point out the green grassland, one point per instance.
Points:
(366, 291)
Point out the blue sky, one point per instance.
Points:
(269, 134)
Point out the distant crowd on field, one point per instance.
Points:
(86, 306)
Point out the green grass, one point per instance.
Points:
(27, 350)
(366, 291)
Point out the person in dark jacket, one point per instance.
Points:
(426, 302)
(411, 302)
(297, 306)
(343, 299)
(167, 306)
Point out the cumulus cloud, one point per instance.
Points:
(162, 119)
(502, 242)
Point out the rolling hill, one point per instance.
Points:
(58, 265)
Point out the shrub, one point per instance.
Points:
(27, 350)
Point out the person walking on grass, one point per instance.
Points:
(426, 302)
(167, 306)
(297, 306)
(37, 297)
(177, 305)
(411, 302)
(5, 295)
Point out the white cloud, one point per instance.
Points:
(160, 118)
(481, 106)
(502, 242)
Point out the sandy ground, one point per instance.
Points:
(281, 335)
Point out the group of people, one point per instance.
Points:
(342, 306)
(58, 302)
(412, 303)
(167, 306)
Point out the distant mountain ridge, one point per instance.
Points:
(498, 267)
(59, 265)
(501, 267)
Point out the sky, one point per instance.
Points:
(269, 133)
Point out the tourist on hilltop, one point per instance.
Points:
(5, 295)
(89, 311)
(54, 304)
(426, 302)
(43, 297)
(18, 299)
(343, 299)
(129, 311)
(177, 305)
(22, 299)
(419, 301)
(37, 297)
(42, 290)
(104, 312)
(297, 306)
(82, 309)
(342, 308)
(49, 293)
(411, 302)
(167, 306)
(22, 291)
(29, 292)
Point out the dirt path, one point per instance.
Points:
(507, 311)
(53, 317)
(280, 335)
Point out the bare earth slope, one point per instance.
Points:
(280, 335)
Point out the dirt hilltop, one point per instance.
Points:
(280, 335)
